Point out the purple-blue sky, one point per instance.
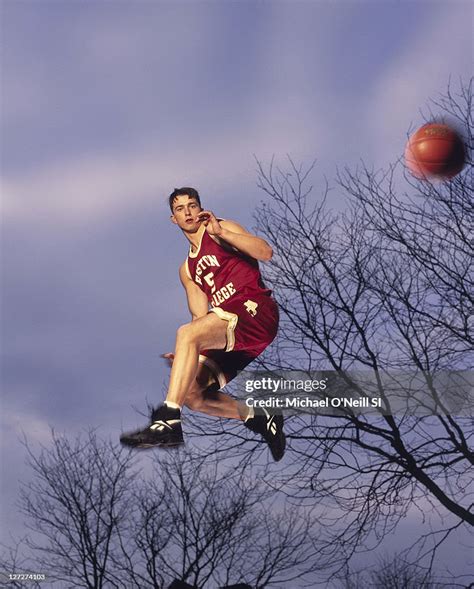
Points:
(107, 106)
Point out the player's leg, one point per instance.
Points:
(257, 326)
(212, 332)
(204, 396)
(255, 329)
(209, 332)
(165, 427)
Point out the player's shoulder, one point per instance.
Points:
(232, 225)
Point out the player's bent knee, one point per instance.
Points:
(191, 333)
(185, 332)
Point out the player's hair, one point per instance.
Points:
(185, 190)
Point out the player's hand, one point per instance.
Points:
(169, 357)
(210, 222)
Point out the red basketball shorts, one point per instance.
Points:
(252, 324)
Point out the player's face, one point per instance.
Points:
(185, 210)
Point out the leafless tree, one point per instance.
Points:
(211, 526)
(75, 503)
(101, 516)
(385, 285)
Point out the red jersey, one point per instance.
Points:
(224, 273)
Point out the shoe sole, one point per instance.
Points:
(130, 442)
(143, 446)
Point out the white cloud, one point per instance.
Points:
(95, 186)
(277, 116)
(101, 185)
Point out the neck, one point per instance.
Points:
(195, 238)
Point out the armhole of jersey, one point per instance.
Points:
(186, 267)
(222, 243)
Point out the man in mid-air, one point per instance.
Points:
(220, 271)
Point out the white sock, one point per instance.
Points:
(251, 414)
(172, 405)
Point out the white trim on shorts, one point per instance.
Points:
(232, 320)
(214, 368)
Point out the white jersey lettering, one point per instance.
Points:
(206, 262)
(223, 294)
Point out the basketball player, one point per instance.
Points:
(220, 271)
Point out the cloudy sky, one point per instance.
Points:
(106, 106)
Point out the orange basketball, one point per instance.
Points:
(435, 151)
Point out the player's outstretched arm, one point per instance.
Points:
(197, 300)
(236, 236)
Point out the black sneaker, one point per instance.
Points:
(164, 430)
(270, 427)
